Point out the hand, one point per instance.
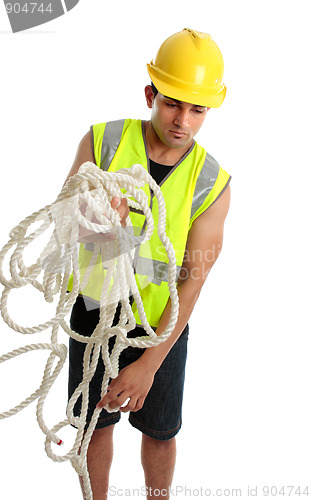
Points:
(133, 383)
(87, 236)
(123, 208)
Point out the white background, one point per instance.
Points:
(247, 396)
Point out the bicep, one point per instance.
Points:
(205, 241)
(84, 153)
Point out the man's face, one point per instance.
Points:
(176, 122)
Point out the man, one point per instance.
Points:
(186, 82)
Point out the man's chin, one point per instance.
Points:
(177, 142)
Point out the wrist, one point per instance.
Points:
(150, 360)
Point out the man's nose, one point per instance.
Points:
(182, 118)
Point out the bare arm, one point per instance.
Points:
(84, 153)
(203, 247)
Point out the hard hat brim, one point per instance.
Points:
(175, 89)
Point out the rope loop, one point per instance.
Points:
(84, 205)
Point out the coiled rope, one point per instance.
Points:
(92, 189)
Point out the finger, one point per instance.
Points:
(114, 397)
(107, 399)
(113, 382)
(122, 208)
(118, 401)
(139, 404)
(115, 202)
(103, 402)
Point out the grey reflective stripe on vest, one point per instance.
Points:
(111, 141)
(156, 270)
(205, 182)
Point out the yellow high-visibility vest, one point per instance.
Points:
(192, 185)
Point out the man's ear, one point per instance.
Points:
(149, 96)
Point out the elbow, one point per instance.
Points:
(189, 291)
(197, 272)
(191, 281)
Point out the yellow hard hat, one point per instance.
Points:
(189, 67)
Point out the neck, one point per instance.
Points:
(160, 152)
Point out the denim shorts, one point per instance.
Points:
(161, 415)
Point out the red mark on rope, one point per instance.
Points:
(60, 442)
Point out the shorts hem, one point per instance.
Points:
(106, 421)
(159, 435)
(103, 422)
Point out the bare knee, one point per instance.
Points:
(99, 459)
(158, 461)
(158, 443)
(158, 451)
(100, 450)
(105, 433)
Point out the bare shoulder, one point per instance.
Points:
(216, 214)
(207, 230)
(84, 153)
(86, 143)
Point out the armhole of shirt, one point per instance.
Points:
(221, 183)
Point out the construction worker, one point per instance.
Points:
(186, 77)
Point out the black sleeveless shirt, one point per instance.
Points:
(159, 171)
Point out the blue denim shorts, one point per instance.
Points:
(161, 415)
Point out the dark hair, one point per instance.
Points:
(154, 89)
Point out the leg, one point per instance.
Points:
(162, 419)
(99, 459)
(158, 460)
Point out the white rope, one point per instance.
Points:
(92, 189)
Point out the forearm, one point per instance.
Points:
(188, 293)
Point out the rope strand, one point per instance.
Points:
(92, 189)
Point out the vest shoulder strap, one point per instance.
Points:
(205, 182)
(111, 140)
(210, 184)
